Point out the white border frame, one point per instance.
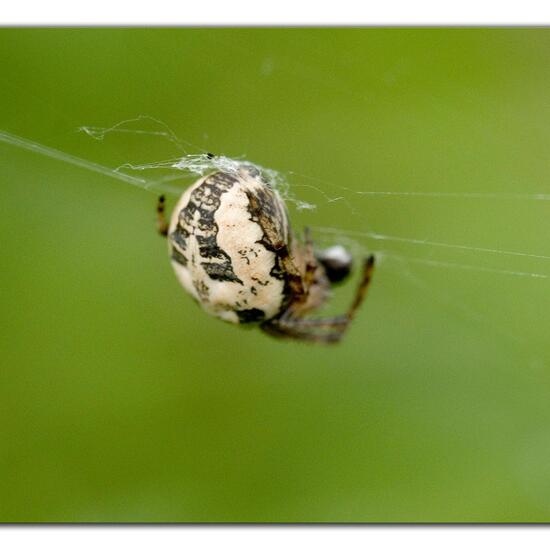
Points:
(281, 12)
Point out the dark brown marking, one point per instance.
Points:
(252, 315)
(205, 200)
(162, 224)
(268, 210)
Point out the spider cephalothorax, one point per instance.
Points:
(232, 249)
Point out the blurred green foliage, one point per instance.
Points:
(121, 401)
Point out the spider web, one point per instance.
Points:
(451, 343)
(422, 259)
(196, 164)
(192, 161)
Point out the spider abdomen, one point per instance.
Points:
(220, 247)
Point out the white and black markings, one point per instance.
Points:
(219, 249)
(232, 249)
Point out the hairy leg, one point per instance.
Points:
(162, 224)
(325, 330)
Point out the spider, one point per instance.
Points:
(232, 249)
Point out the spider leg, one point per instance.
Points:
(346, 318)
(162, 224)
(361, 292)
(324, 322)
(325, 330)
(296, 332)
(303, 278)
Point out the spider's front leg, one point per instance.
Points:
(313, 287)
(361, 291)
(162, 224)
(295, 331)
(328, 330)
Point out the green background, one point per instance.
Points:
(121, 401)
